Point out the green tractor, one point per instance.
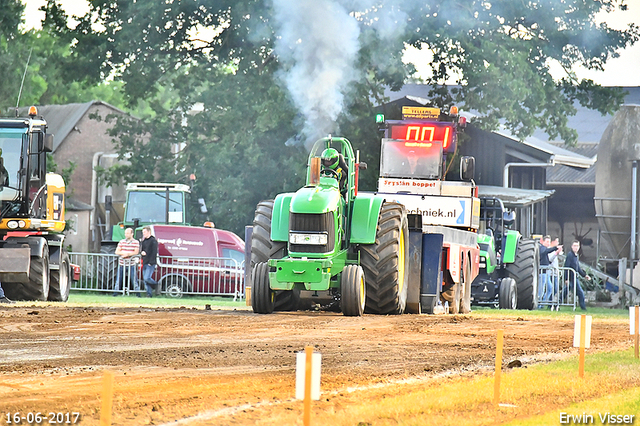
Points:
(326, 243)
(509, 263)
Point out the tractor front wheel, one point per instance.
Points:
(353, 291)
(60, 284)
(262, 297)
(508, 295)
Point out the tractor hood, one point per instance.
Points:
(321, 198)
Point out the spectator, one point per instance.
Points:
(3, 298)
(126, 250)
(573, 262)
(149, 247)
(555, 266)
(545, 287)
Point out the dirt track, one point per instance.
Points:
(171, 364)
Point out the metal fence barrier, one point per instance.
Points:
(176, 276)
(562, 288)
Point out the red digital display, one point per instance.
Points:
(429, 132)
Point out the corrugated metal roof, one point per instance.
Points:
(62, 119)
(514, 197)
(560, 155)
(563, 175)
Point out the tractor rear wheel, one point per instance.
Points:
(107, 267)
(61, 280)
(352, 291)
(38, 286)
(263, 249)
(508, 294)
(386, 262)
(524, 270)
(262, 297)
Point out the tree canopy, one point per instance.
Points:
(270, 72)
(43, 59)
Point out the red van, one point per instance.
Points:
(193, 260)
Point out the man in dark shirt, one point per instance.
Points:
(573, 262)
(149, 247)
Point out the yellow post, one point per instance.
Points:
(637, 332)
(307, 385)
(107, 399)
(583, 330)
(496, 383)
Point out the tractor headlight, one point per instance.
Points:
(312, 239)
(12, 224)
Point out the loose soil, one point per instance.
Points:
(236, 367)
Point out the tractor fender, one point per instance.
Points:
(280, 217)
(510, 246)
(364, 218)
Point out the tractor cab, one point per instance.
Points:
(152, 204)
(24, 192)
(495, 223)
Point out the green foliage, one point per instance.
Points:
(10, 18)
(500, 50)
(44, 59)
(233, 146)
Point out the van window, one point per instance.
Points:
(236, 255)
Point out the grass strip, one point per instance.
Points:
(617, 404)
(87, 299)
(529, 396)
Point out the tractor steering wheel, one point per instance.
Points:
(330, 173)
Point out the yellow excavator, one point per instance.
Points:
(34, 264)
